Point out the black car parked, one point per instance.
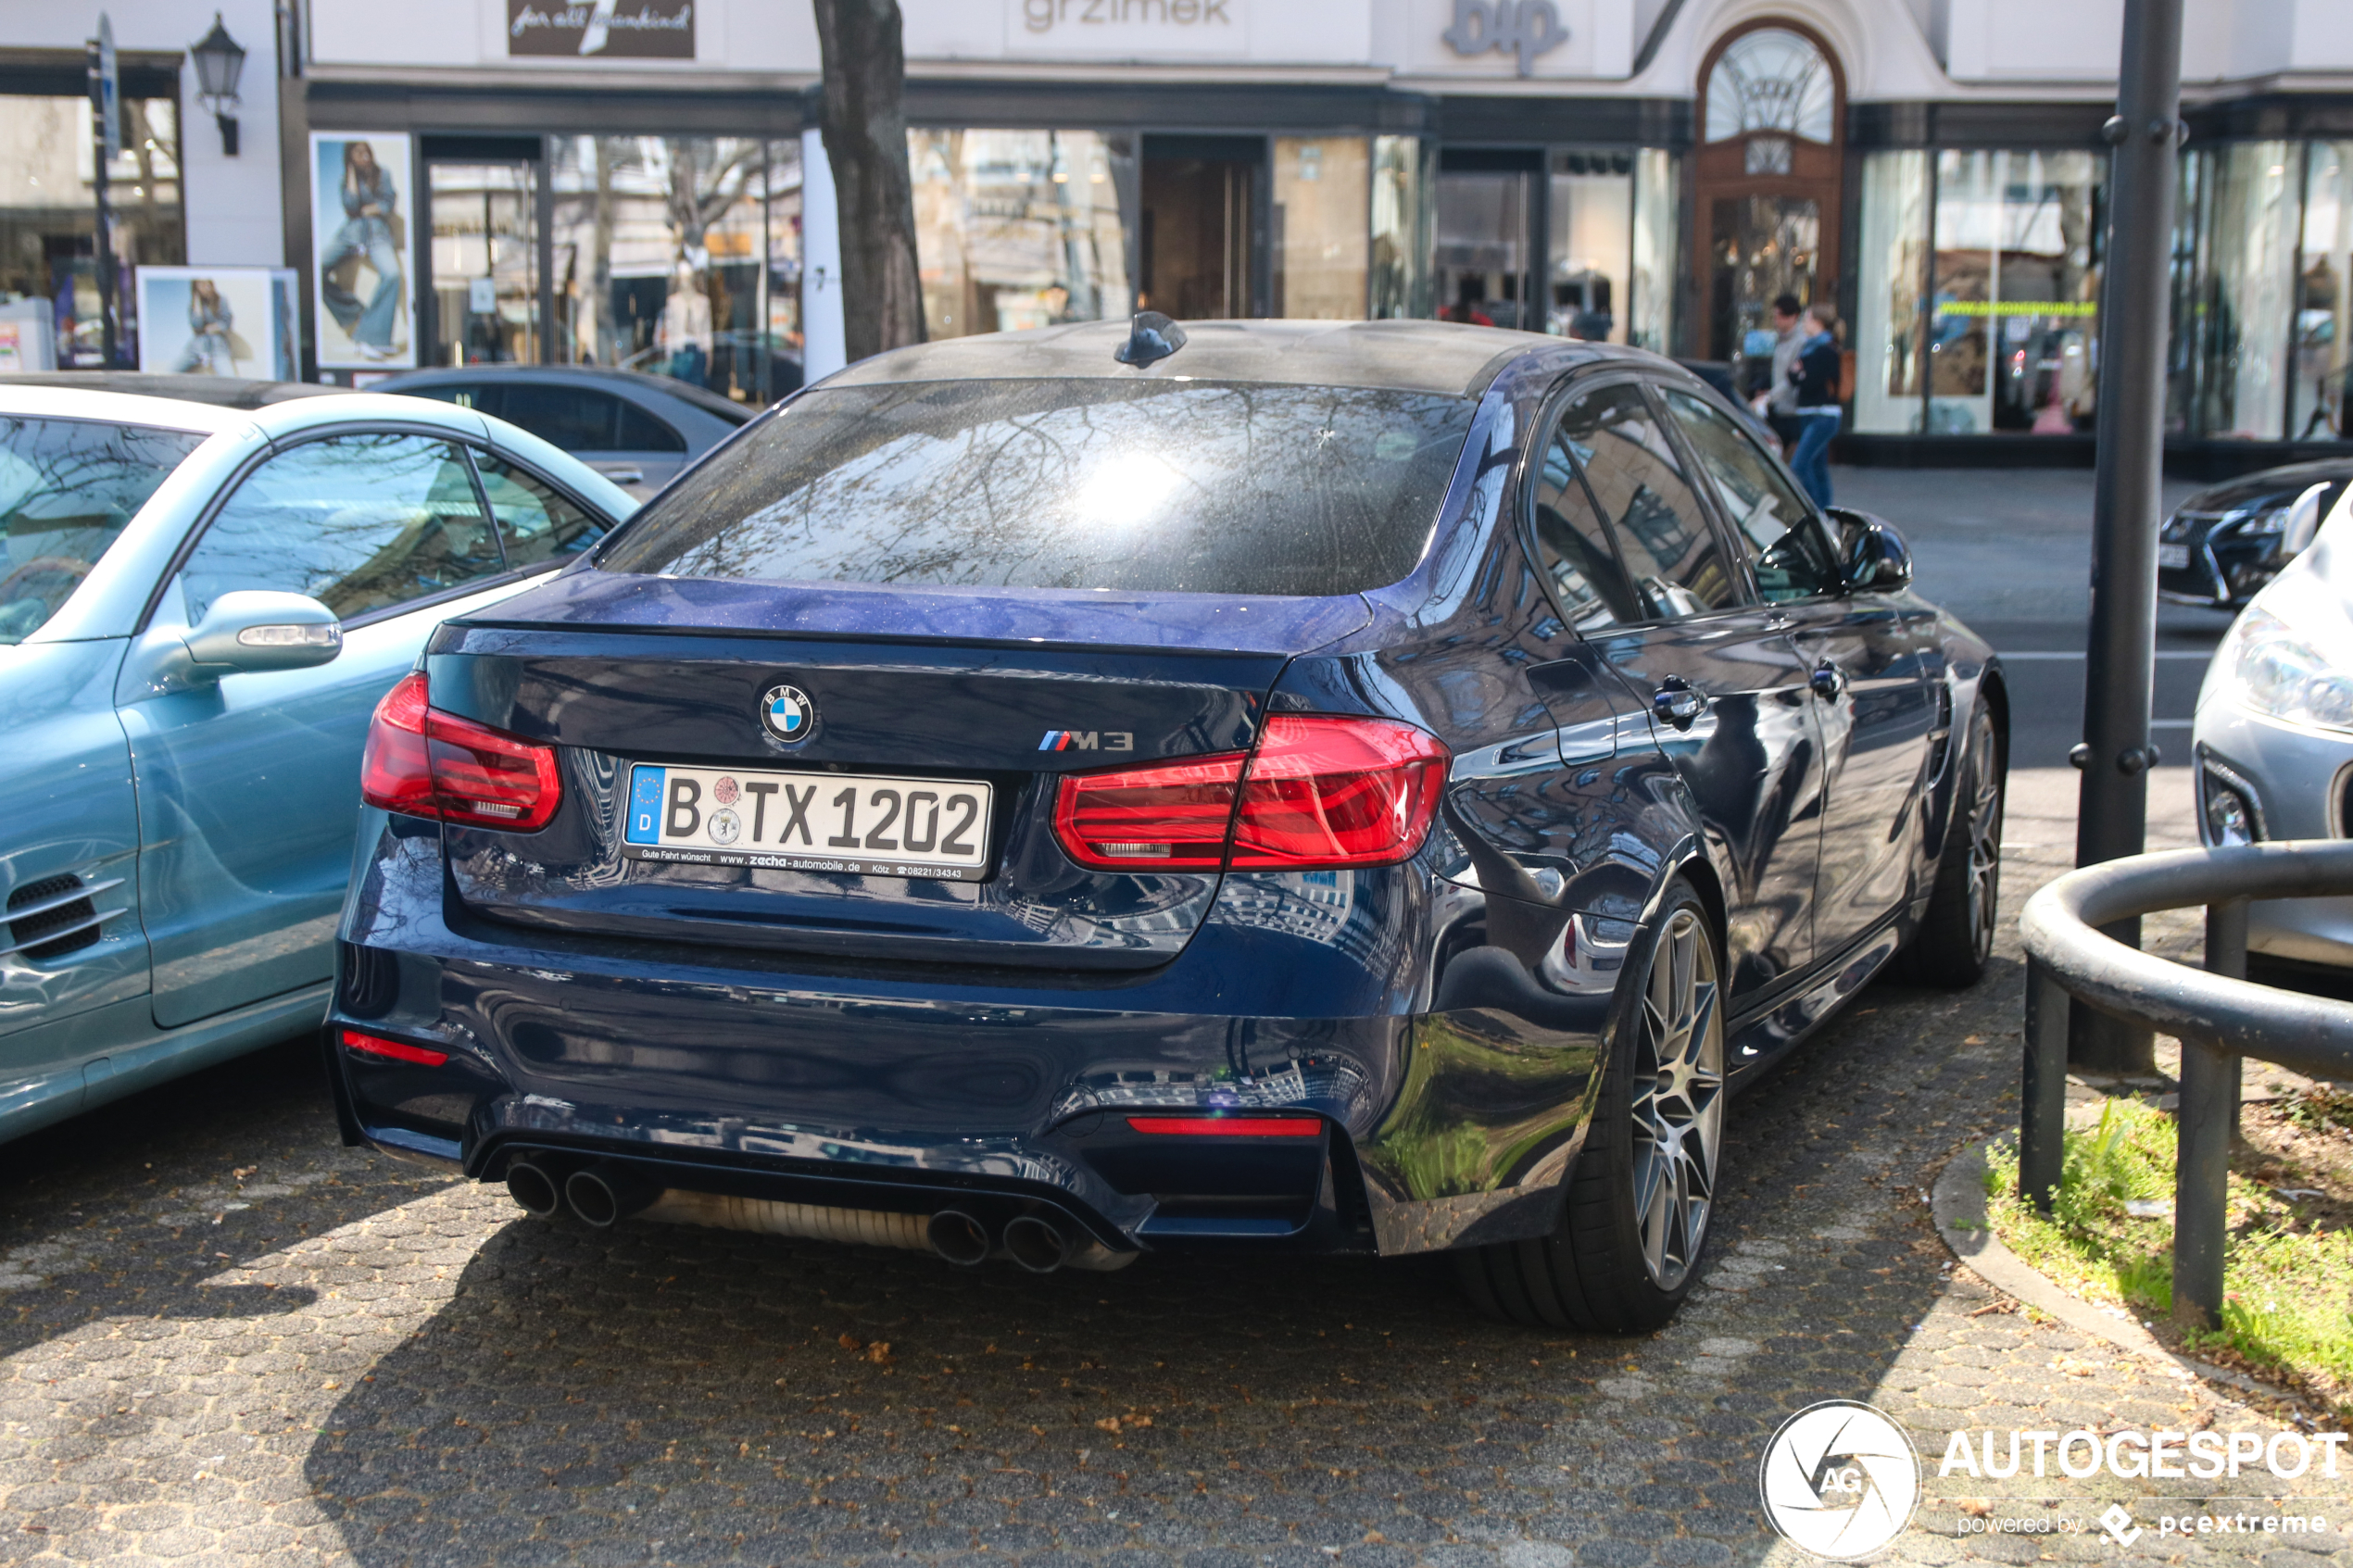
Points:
(1359, 788)
(2224, 543)
(636, 429)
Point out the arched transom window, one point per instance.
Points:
(1772, 80)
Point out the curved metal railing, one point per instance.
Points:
(2216, 1014)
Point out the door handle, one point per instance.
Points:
(1828, 680)
(1677, 704)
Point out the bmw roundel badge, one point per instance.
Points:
(788, 713)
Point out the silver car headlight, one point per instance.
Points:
(2284, 673)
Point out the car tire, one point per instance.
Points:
(1635, 1214)
(1955, 938)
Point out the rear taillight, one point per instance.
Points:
(1337, 792)
(1318, 792)
(1172, 816)
(427, 763)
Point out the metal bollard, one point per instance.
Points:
(2042, 1130)
(2226, 954)
(2201, 1182)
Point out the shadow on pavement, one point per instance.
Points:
(698, 1394)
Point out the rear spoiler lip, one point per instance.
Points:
(1154, 623)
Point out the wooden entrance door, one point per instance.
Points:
(1772, 114)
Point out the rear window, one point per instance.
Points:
(68, 487)
(1145, 487)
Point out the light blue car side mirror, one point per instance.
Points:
(253, 630)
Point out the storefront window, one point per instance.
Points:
(1483, 245)
(1893, 271)
(1323, 196)
(2244, 302)
(1404, 171)
(1591, 211)
(48, 225)
(2322, 394)
(486, 263)
(2013, 323)
(1657, 229)
(1017, 229)
(680, 257)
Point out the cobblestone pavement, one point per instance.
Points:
(227, 1339)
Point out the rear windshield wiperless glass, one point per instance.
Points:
(1143, 486)
(67, 489)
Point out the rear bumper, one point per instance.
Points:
(910, 1093)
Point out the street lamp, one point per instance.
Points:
(220, 60)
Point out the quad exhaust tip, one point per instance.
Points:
(1036, 1243)
(959, 1238)
(605, 1194)
(530, 1185)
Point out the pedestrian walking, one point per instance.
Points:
(1814, 374)
(1780, 397)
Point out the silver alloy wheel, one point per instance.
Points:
(1984, 834)
(1678, 1099)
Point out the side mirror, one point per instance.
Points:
(253, 630)
(1875, 558)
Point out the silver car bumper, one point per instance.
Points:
(2298, 779)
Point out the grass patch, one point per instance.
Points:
(2288, 1279)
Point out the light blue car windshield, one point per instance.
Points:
(68, 488)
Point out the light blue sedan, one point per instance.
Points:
(199, 608)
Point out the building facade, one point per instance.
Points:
(639, 184)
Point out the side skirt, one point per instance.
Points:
(1756, 1042)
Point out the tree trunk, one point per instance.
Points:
(865, 123)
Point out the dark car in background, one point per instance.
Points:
(636, 429)
(2223, 545)
(1367, 788)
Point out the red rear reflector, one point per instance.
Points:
(1169, 816)
(375, 1044)
(1328, 790)
(428, 763)
(1230, 1127)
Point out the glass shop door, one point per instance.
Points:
(486, 263)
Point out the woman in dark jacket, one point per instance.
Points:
(1815, 373)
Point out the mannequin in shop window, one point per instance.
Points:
(686, 324)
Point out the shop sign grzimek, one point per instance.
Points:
(606, 30)
(1138, 29)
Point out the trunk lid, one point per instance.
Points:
(996, 695)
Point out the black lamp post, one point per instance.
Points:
(220, 60)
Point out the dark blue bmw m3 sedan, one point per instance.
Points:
(1352, 787)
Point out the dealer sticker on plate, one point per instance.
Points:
(809, 821)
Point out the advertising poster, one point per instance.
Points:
(359, 185)
(218, 321)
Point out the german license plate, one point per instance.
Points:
(2173, 557)
(809, 821)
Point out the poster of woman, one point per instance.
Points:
(218, 321)
(360, 239)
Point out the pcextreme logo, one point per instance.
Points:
(1839, 1479)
